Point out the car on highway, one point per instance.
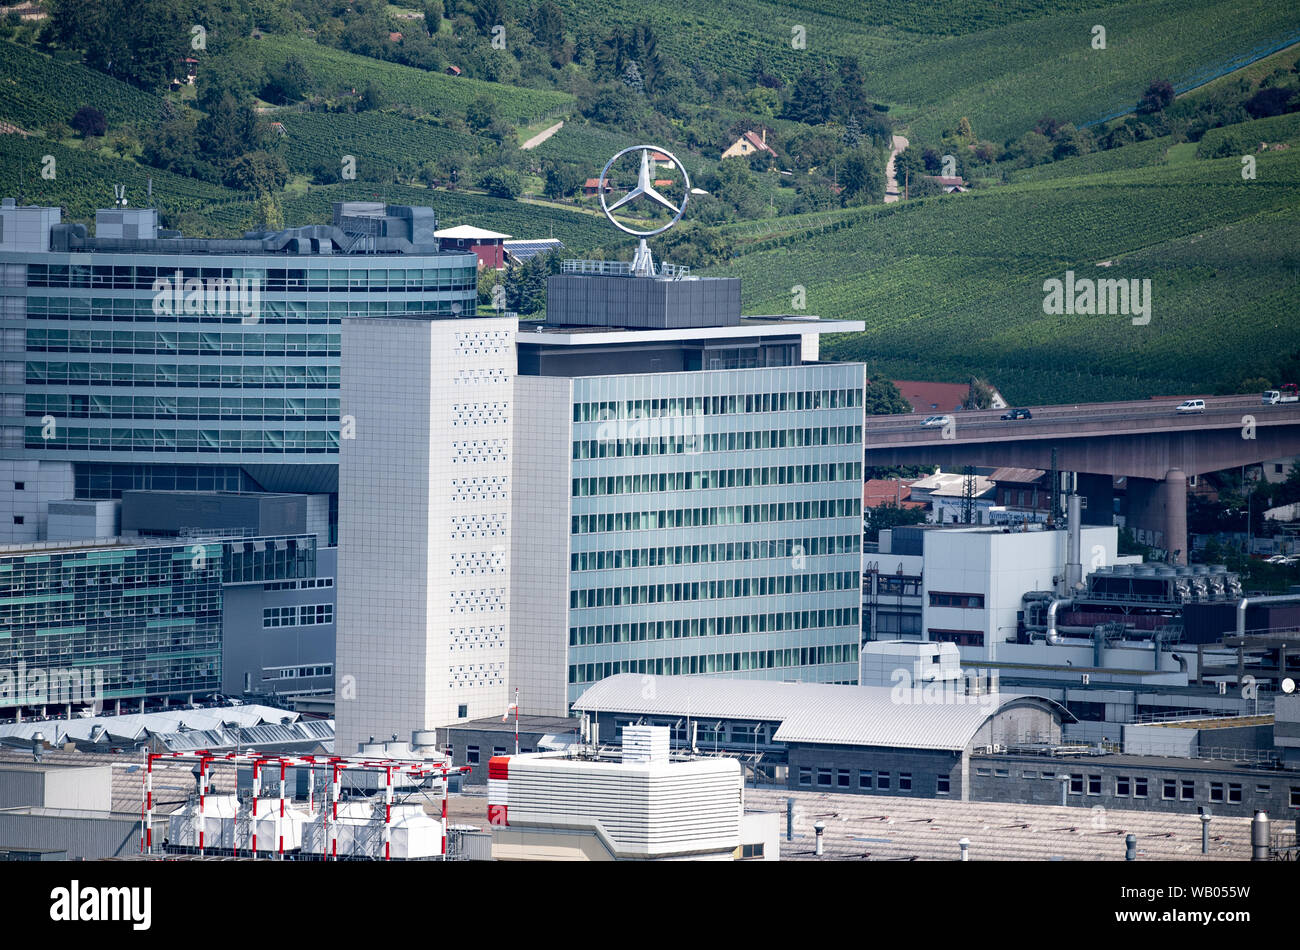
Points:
(1018, 414)
(1270, 397)
(1190, 405)
(932, 421)
(1276, 559)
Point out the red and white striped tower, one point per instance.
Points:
(148, 803)
(498, 799)
(388, 809)
(334, 805)
(279, 819)
(445, 783)
(203, 802)
(257, 793)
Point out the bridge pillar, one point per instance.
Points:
(1099, 491)
(1157, 512)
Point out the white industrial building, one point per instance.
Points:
(641, 803)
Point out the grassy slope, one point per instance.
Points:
(433, 92)
(953, 286)
(1005, 79)
(36, 90)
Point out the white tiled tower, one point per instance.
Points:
(424, 520)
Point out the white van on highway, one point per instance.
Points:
(1191, 405)
(1270, 397)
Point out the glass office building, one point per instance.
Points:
(699, 511)
(138, 359)
(145, 616)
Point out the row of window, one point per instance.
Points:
(186, 344)
(898, 585)
(830, 617)
(261, 310)
(721, 515)
(717, 478)
(715, 553)
(717, 405)
(142, 277)
(1139, 786)
(103, 406)
(968, 601)
(867, 779)
(301, 615)
(237, 375)
(296, 672)
(803, 582)
(183, 440)
(694, 443)
(307, 583)
(717, 662)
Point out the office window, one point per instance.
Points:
(1263, 789)
(866, 779)
(1122, 786)
(842, 778)
(471, 754)
(20, 486)
(942, 785)
(967, 601)
(1234, 793)
(1076, 784)
(882, 780)
(751, 850)
(982, 771)
(1139, 788)
(1295, 796)
(1170, 790)
(904, 781)
(19, 519)
(1189, 790)
(498, 750)
(1094, 784)
(1048, 776)
(824, 777)
(1001, 773)
(462, 711)
(1029, 773)
(805, 775)
(1216, 791)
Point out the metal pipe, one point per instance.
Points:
(1259, 837)
(1275, 599)
(1130, 847)
(819, 829)
(1205, 832)
(789, 819)
(1054, 638)
(964, 844)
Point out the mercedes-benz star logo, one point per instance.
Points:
(644, 188)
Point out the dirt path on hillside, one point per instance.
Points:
(891, 179)
(542, 136)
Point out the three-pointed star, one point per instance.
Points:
(644, 187)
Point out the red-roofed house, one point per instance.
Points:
(951, 183)
(488, 245)
(889, 491)
(940, 397)
(591, 187)
(748, 144)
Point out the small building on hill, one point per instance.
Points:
(751, 143)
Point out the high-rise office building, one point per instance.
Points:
(139, 359)
(645, 482)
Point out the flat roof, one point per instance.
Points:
(748, 327)
(530, 724)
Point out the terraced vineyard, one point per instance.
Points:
(953, 286)
(377, 140)
(433, 92)
(1006, 78)
(1135, 155)
(36, 89)
(84, 182)
(578, 231)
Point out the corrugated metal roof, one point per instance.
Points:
(134, 727)
(808, 712)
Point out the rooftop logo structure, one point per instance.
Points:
(651, 155)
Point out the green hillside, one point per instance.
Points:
(376, 140)
(429, 91)
(36, 90)
(84, 182)
(1004, 79)
(953, 286)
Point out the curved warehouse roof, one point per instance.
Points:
(813, 712)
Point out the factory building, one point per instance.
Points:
(637, 803)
